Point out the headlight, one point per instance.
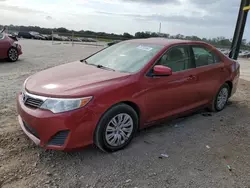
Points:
(15, 44)
(64, 105)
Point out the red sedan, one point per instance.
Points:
(9, 49)
(105, 98)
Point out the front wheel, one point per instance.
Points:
(221, 98)
(116, 128)
(12, 54)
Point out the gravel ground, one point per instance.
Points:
(198, 148)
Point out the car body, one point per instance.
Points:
(92, 40)
(31, 35)
(128, 86)
(56, 37)
(24, 34)
(9, 48)
(36, 35)
(244, 54)
(64, 38)
(46, 37)
(76, 39)
(84, 39)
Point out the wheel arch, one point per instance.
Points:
(11, 47)
(133, 105)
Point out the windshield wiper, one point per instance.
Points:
(103, 67)
(98, 66)
(84, 61)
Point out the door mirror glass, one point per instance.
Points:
(160, 70)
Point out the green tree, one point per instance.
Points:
(62, 30)
(127, 35)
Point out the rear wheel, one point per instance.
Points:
(12, 54)
(221, 98)
(116, 128)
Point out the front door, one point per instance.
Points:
(170, 95)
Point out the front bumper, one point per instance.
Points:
(63, 131)
(30, 135)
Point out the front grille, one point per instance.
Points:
(30, 129)
(31, 101)
(59, 138)
(35, 103)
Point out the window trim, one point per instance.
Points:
(149, 72)
(209, 50)
(1, 38)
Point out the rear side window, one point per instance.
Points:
(177, 58)
(204, 56)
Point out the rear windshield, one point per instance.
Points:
(125, 56)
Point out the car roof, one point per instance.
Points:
(164, 41)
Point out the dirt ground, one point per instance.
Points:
(198, 147)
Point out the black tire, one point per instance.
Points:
(12, 54)
(215, 105)
(100, 132)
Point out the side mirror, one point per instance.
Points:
(160, 70)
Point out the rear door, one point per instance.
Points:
(4, 46)
(210, 71)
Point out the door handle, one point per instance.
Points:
(191, 77)
(222, 69)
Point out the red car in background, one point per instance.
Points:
(9, 48)
(105, 98)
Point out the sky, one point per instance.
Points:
(203, 18)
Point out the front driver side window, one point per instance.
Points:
(177, 58)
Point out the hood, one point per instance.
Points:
(72, 80)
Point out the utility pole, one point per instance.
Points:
(52, 37)
(160, 28)
(239, 29)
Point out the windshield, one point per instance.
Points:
(125, 56)
(1, 36)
